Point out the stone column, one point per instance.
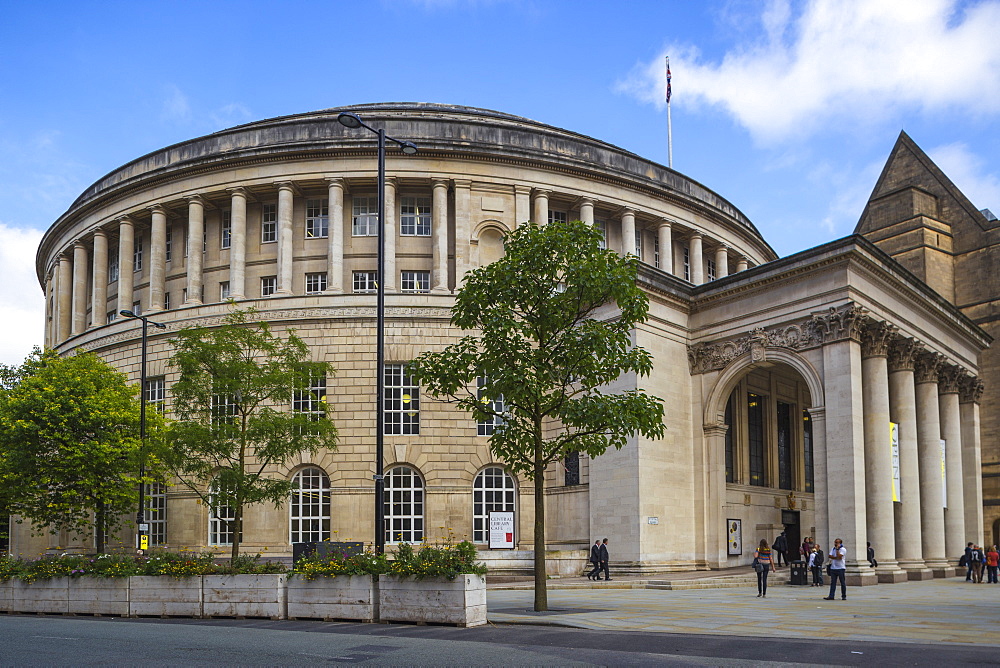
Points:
(664, 233)
(99, 285)
(721, 261)
(971, 391)
(285, 238)
(628, 232)
(903, 411)
(587, 210)
(875, 341)
(126, 249)
(65, 299)
(817, 415)
(951, 431)
(741, 264)
(335, 250)
(522, 204)
(49, 310)
(697, 260)
(541, 207)
(80, 267)
(157, 257)
(238, 243)
(195, 244)
(716, 552)
(391, 273)
(929, 451)
(439, 236)
(463, 229)
(845, 437)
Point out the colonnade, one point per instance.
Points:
(921, 504)
(68, 289)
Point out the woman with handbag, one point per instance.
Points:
(762, 564)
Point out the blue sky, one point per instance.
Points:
(787, 109)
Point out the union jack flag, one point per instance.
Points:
(668, 80)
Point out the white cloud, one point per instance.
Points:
(230, 115)
(176, 106)
(969, 173)
(855, 61)
(22, 306)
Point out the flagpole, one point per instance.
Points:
(670, 130)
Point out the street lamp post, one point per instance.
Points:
(140, 516)
(354, 121)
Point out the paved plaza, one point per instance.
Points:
(937, 611)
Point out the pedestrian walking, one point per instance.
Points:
(816, 566)
(838, 568)
(595, 560)
(807, 548)
(992, 561)
(605, 557)
(968, 562)
(780, 549)
(871, 556)
(762, 564)
(978, 561)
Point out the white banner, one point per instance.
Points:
(894, 445)
(944, 477)
(501, 530)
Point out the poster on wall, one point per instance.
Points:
(501, 530)
(735, 531)
(894, 445)
(944, 475)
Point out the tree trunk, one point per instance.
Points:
(237, 525)
(99, 533)
(541, 593)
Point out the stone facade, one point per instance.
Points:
(777, 375)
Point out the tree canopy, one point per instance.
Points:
(69, 443)
(554, 322)
(245, 402)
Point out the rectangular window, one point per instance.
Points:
(572, 466)
(226, 229)
(268, 223)
(168, 246)
(184, 296)
(156, 513)
(557, 216)
(137, 308)
(223, 291)
(638, 244)
(415, 216)
(415, 281)
(784, 445)
(656, 252)
(268, 285)
(113, 266)
(755, 438)
(401, 405)
(112, 316)
(137, 255)
(602, 227)
(224, 409)
(493, 404)
(166, 301)
(687, 264)
(807, 449)
(156, 393)
(220, 529)
(730, 442)
(365, 281)
(310, 397)
(365, 217)
(710, 269)
(204, 242)
(315, 283)
(317, 218)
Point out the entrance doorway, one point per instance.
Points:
(790, 520)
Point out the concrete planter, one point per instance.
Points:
(461, 601)
(40, 596)
(244, 596)
(98, 596)
(5, 594)
(163, 596)
(341, 597)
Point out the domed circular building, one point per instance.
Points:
(761, 362)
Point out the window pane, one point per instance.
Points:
(493, 490)
(310, 506)
(403, 501)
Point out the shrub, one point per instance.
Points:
(249, 564)
(445, 560)
(341, 563)
(179, 564)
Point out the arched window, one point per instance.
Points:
(309, 510)
(493, 489)
(220, 532)
(403, 504)
(156, 512)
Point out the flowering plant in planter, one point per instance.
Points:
(447, 560)
(332, 564)
(174, 564)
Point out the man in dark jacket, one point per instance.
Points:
(595, 559)
(968, 562)
(780, 548)
(604, 560)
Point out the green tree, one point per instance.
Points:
(69, 443)
(233, 424)
(555, 319)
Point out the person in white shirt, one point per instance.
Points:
(838, 567)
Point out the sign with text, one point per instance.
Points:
(894, 445)
(501, 530)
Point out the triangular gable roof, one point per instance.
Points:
(930, 178)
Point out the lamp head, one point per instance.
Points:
(408, 147)
(349, 120)
(128, 314)
(158, 325)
